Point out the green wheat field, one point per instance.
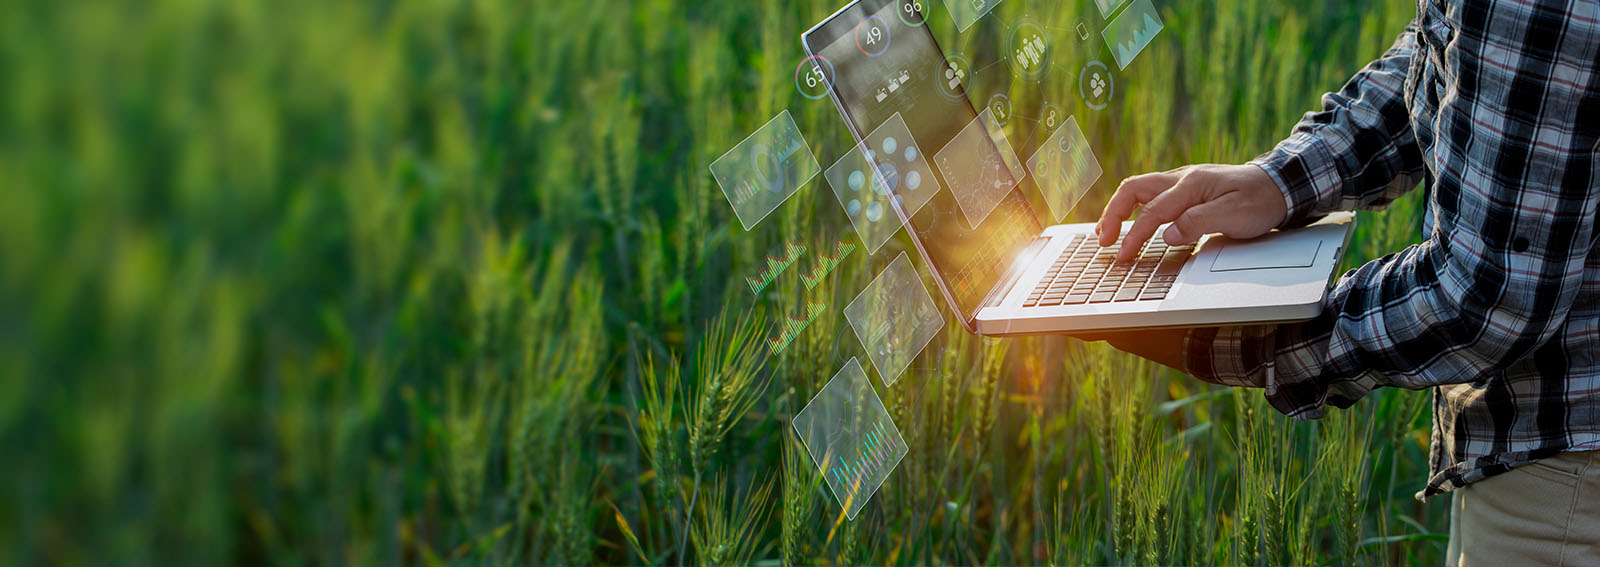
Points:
(449, 282)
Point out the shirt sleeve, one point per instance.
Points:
(1359, 151)
(1481, 292)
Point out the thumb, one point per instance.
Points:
(1197, 221)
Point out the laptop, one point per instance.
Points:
(1007, 273)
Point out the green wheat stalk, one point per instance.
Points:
(727, 370)
(727, 530)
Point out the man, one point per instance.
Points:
(1494, 106)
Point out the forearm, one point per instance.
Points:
(1359, 150)
(1410, 320)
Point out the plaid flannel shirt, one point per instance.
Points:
(1494, 105)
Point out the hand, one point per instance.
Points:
(1239, 201)
(1162, 346)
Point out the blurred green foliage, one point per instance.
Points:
(380, 282)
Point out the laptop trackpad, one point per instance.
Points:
(1276, 250)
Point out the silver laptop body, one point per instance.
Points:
(1057, 279)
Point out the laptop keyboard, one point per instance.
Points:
(1088, 273)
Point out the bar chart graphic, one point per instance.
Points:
(850, 437)
(826, 263)
(876, 451)
(775, 266)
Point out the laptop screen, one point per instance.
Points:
(967, 261)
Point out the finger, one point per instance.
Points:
(1199, 220)
(1164, 208)
(1133, 191)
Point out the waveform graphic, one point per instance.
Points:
(875, 452)
(826, 264)
(775, 266)
(792, 326)
(1131, 31)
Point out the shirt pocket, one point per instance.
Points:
(1434, 24)
(1436, 32)
(1424, 80)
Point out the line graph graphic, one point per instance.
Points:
(775, 266)
(825, 264)
(792, 326)
(1131, 31)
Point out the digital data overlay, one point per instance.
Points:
(850, 437)
(765, 169)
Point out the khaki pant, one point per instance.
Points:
(1545, 513)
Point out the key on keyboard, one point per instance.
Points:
(1087, 273)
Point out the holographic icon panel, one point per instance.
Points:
(967, 12)
(1065, 168)
(765, 169)
(1108, 6)
(885, 166)
(1131, 31)
(980, 167)
(850, 437)
(895, 318)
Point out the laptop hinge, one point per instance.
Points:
(1003, 287)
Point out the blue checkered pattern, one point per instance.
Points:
(1494, 107)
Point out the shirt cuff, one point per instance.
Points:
(1305, 172)
(1231, 356)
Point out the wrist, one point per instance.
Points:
(1299, 167)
